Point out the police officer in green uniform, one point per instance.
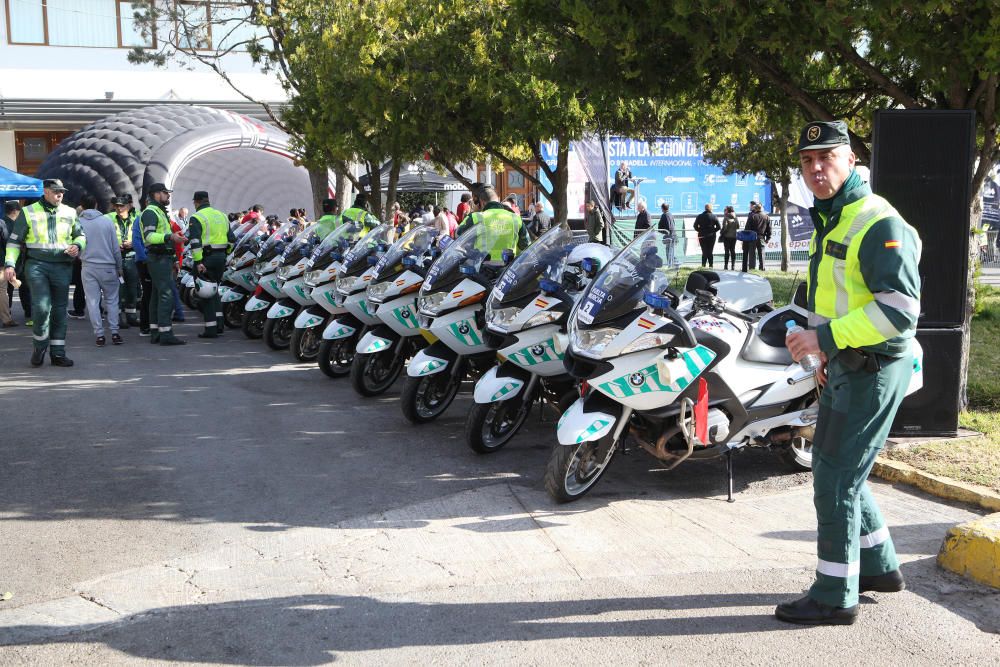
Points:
(124, 217)
(329, 221)
(159, 241)
(864, 296)
(359, 213)
(508, 229)
(211, 242)
(50, 234)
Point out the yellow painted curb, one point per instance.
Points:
(973, 550)
(942, 487)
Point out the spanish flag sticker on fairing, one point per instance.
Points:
(893, 244)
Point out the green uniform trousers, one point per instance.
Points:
(856, 410)
(130, 289)
(49, 283)
(161, 306)
(211, 309)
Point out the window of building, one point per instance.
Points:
(93, 23)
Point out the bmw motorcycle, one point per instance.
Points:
(239, 280)
(526, 316)
(452, 309)
(681, 386)
(343, 332)
(268, 290)
(392, 291)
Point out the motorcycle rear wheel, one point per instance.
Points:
(278, 332)
(798, 454)
(305, 343)
(426, 398)
(232, 314)
(573, 471)
(490, 426)
(253, 324)
(335, 356)
(373, 374)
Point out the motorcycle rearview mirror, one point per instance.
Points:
(507, 255)
(467, 270)
(658, 302)
(590, 266)
(548, 286)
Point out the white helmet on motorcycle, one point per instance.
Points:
(205, 288)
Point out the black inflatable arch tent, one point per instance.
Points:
(239, 160)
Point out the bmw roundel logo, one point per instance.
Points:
(537, 350)
(464, 328)
(637, 379)
(405, 313)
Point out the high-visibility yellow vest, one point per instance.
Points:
(841, 295)
(214, 232)
(502, 228)
(156, 236)
(47, 234)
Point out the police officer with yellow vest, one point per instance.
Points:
(359, 213)
(50, 234)
(211, 241)
(508, 230)
(159, 240)
(124, 217)
(864, 296)
(329, 221)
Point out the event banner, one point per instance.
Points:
(673, 170)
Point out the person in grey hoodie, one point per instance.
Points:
(102, 268)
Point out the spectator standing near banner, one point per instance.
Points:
(540, 221)
(593, 223)
(667, 230)
(706, 225)
(730, 227)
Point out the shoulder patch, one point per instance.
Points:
(893, 244)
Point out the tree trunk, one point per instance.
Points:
(374, 188)
(390, 196)
(786, 183)
(319, 181)
(343, 190)
(975, 218)
(560, 184)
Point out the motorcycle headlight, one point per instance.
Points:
(647, 341)
(284, 272)
(592, 342)
(258, 268)
(345, 284)
(313, 278)
(541, 318)
(431, 303)
(377, 291)
(501, 318)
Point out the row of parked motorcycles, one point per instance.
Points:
(600, 341)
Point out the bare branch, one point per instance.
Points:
(891, 88)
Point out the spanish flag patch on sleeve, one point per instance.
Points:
(893, 244)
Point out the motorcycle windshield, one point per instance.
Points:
(364, 246)
(338, 242)
(472, 249)
(545, 258)
(620, 286)
(301, 246)
(250, 240)
(415, 243)
(277, 241)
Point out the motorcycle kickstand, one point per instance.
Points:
(729, 475)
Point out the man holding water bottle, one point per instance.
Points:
(864, 299)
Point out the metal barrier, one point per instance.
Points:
(989, 252)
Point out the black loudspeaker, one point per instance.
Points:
(933, 409)
(922, 163)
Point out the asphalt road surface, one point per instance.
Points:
(142, 456)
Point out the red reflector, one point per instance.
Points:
(584, 388)
(260, 288)
(701, 412)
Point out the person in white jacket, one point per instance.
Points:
(102, 269)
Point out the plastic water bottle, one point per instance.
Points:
(810, 363)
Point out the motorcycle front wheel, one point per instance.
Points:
(572, 471)
(232, 314)
(278, 332)
(335, 356)
(490, 426)
(373, 374)
(426, 398)
(305, 343)
(253, 324)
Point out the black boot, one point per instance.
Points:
(806, 611)
(890, 582)
(61, 361)
(38, 357)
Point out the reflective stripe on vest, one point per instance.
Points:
(840, 286)
(502, 228)
(42, 235)
(162, 224)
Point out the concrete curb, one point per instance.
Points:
(972, 549)
(942, 487)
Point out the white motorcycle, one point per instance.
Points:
(239, 280)
(396, 279)
(268, 290)
(526, 316)
(691, 386)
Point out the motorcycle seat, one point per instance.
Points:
(767, 344)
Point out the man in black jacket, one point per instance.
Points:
(760, 224)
